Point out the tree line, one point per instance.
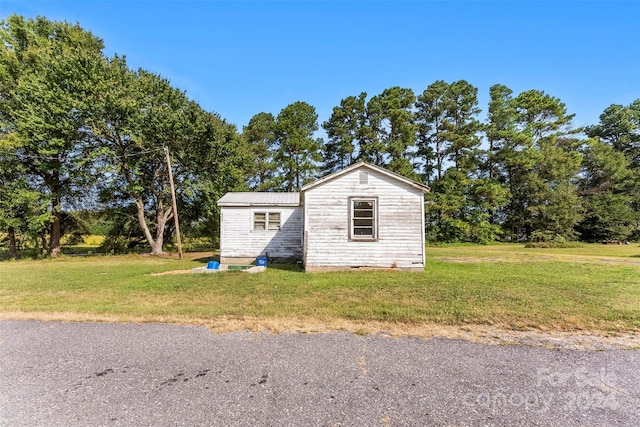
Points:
(83, 132)
(522, 174)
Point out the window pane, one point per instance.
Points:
(274, 221)
(359, 213)
(259, 221)
(363, 231)
(363, 222)
(363, 205)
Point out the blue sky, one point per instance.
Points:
(241, 58)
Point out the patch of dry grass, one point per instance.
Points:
(484, 334)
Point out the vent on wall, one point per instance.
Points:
(364, 177)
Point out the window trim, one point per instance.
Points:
(266, 222)
(359, 238)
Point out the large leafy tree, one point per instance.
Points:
(298, 151)
(48, 71)
(138, 114)
(213, 162)
(133, 110)
(23, 209)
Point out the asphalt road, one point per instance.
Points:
(90, 374)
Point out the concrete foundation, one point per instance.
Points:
(320, 269)
(225, 267)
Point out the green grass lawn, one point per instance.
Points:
(593, 287)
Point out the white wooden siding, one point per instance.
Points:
(239, 240)
(400, 234)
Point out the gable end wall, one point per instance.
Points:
(400, 234)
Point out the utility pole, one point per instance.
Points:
(173, 203)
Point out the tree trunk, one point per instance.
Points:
(438, 161)
(145, 229)
(161, 219)
(56, 209)
(160, 223)
(491, 153)
(13, 248)
(156, 247)
(56, 228)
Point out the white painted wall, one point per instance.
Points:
(239, 240)
(400, 240)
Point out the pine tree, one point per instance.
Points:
(260, 137)
(344, 129)
(298, 151)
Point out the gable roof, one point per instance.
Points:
(369, 166)
(260, 199)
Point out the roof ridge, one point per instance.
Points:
(360, 164)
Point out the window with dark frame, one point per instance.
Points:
(263, 221)
(363, 219)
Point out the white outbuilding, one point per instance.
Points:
(363, 216)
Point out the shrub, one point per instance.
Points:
(546, 239)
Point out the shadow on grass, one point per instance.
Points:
(274, 265)
(206, 259)
(285, 267)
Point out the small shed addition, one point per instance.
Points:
(363, 216)
(260, 225)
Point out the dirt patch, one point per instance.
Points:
(625, 261)
(484, 334)
(472, 259)
(172, 272)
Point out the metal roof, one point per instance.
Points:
(260, 199)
